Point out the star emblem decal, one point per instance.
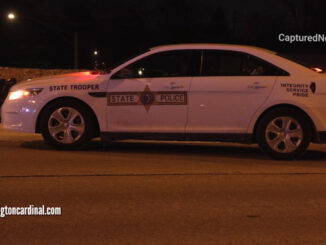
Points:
(147, 98)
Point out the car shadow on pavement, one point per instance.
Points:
(173, 148)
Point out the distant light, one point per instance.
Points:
(11, 16)
(95, 52)
(317, 69)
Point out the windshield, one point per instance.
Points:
(106, 67)
(122, 60)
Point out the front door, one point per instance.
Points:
(151, 95)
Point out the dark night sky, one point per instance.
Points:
(42, 35)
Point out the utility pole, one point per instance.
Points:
(75, 50)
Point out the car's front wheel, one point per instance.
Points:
(284, 133)
(66, 124)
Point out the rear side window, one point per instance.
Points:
(178, 63)
(230, 63)
(216, 63)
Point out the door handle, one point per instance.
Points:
(173, 85)
(176, 87)
(257, 85)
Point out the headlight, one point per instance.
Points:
(19, 94)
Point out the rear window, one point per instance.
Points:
(299, 61)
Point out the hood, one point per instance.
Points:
(81, 77)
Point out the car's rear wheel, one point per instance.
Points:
(66, 124)
(284, 133)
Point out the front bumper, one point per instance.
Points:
(19, 115)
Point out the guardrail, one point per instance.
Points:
(5, 85)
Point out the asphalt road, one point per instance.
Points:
(161, 193)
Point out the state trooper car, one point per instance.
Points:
(202, 92)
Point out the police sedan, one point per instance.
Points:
(201, 92)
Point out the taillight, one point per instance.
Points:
(316, 69)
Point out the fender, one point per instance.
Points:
(97, 104)
(265, 107)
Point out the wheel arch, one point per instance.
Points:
(94, 117)
(315, 137)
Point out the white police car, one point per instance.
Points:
(204, 92)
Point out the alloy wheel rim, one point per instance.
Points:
(66, 125)
(284, 134)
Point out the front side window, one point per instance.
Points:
(230, 63)
(177, 63)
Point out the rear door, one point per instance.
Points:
(232, 86)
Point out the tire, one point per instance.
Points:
(67, 124)
(284, 133)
